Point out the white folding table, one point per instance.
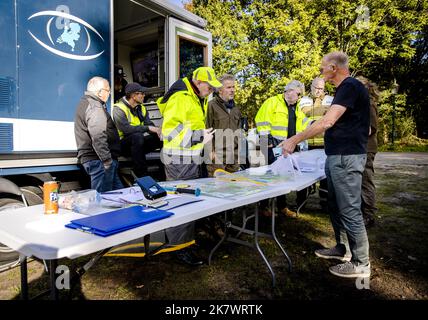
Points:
(32, 233)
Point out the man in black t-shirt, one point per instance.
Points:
(346, 125)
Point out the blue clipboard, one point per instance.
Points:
(106, 224)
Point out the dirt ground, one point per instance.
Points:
(398, 251)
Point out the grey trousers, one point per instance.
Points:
(184, 232)
(368, 189)
(344, 175)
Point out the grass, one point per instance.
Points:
(398, 249)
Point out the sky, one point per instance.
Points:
(176, 2)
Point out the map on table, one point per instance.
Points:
(232, 185)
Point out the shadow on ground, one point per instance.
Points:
(398, 252)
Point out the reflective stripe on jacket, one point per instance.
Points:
(132, 119)
(272, 118)
(183, 121)
(315, 110)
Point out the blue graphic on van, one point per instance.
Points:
(68, 35)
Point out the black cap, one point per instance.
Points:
(134, 87)
(118, 71)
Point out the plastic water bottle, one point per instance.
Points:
(80, 201)
(85, 201)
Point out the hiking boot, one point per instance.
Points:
(333, 253)
(186, 256)
(289, 213)
(350, 270)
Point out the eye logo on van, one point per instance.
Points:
(68, 35)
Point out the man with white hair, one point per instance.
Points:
(280, 118)
(346, 126)
(316, 105)
(97, 139)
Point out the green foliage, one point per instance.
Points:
(393, 117)
(267, 43)
(410, 143)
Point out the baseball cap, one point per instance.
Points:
(207, 74)
(118, 70)
(134, 87)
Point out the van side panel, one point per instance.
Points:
(8, 68)
(62, 44)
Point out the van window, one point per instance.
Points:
(192, 56)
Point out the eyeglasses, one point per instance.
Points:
(108, 90)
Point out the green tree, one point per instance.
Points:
(414, 82)
(267, 43)
(264, 43)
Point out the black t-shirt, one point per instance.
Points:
(349, 134)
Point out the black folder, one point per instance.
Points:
(106, 224)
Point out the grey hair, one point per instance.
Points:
(339, 58)
(95, 84)
(316, 80)
(295, 85)
(226, 77)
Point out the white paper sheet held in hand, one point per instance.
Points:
(285, 165)
(310, 161)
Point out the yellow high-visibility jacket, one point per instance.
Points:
(183, 120)
(133, 120)
(315, 109)
(272, 118)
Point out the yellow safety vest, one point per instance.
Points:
(272, 118)
(132, 119)
(315, 110)
(182, 117)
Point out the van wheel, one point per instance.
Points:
(8, 203)
(33, 195)
(8, 257)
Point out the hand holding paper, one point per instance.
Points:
(288, 146)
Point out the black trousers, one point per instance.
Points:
(368, 189)
(137, 145)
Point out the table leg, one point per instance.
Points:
(226, 227)
(245, 219)
(307, 198)
(146, 245)
(24, 277)
(257, 245)
(256, 235)
(52, 274)
(290, 266)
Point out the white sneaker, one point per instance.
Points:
(332, 253)
(350, 270)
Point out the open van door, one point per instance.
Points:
(189, 47)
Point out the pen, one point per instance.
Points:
(112, 192)
(195, 191)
